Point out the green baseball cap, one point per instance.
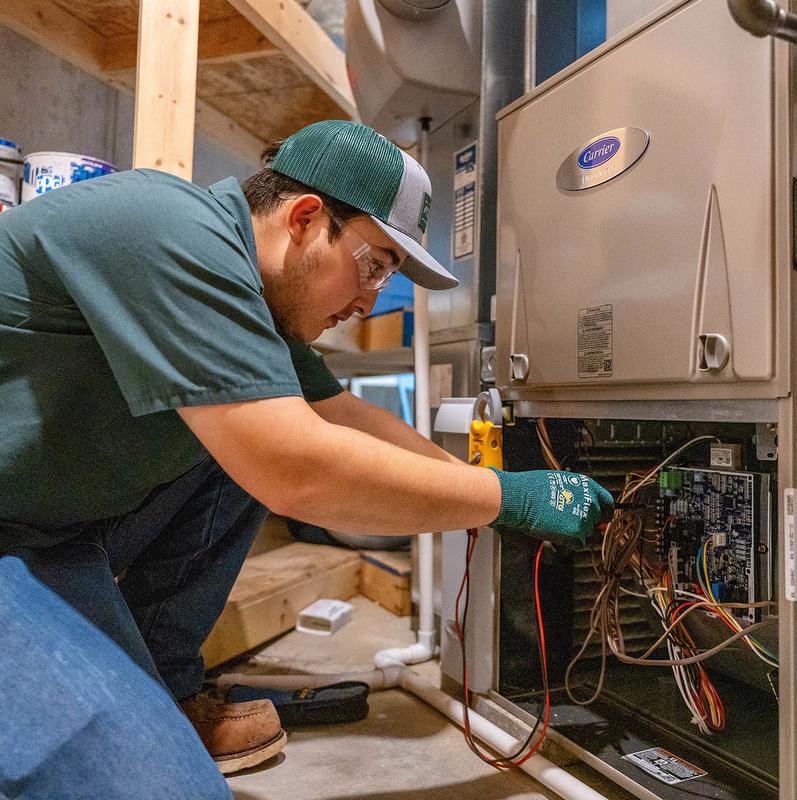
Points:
(355, 164)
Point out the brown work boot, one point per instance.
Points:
(237, 735)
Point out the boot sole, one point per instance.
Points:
(251, 758)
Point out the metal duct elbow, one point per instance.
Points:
(764, 18)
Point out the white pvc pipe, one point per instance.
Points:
(423, 649)
(542, 770)
(555, 778)
(423, 415)
(423, 423)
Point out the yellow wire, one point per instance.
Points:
(722, 612)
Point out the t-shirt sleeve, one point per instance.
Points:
(317, 382)
(167, 287)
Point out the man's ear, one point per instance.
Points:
(302, 213)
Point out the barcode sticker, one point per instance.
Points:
(790, 548)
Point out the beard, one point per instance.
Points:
(286, 296)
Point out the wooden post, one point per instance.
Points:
(163, 136)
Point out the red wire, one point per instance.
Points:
(706, 686)
(541, 627)
(499, 763)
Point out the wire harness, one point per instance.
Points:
(621, 554)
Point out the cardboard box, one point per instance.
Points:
(345, 337)
(387, 331)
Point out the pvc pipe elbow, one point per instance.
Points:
(422, 650)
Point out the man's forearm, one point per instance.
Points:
(350, 411)
(301, 466)
(377, 487)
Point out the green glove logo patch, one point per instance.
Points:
(565, 499)
(562, 496)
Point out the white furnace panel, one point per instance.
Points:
(662, 280)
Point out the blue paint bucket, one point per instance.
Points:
(43, 172)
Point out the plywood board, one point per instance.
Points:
(229, 39)
(117, 17)
(276, 114)
(271, 590)
(266, 73)
(303, 40)
(106, 17)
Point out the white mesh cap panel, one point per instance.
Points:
(409, 202)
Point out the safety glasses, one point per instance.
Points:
(375, 266)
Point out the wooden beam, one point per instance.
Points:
(163, 137)
(57, 31)
(231, 39)
(305, 42)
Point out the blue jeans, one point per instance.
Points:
(90, 667)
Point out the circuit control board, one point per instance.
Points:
(715, 526)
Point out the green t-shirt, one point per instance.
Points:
(122, 299)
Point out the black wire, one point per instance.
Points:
(541, 708)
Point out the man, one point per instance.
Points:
(156, 394)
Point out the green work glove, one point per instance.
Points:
(558, 506)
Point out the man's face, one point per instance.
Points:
(320, 282)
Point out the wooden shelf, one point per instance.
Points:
(374, 362)
(262, 68)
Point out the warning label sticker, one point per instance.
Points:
(464, 201)
(664, 766)
(595, 359)
(790, 550)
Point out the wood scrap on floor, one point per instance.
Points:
(271, 590)
(385, 579)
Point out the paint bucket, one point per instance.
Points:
(10, 169)
(43, 172)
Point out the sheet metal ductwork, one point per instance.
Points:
(409, 59)
(414, 9)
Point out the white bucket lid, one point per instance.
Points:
(45, 154)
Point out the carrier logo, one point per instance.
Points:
(597, 153)
(601, 159)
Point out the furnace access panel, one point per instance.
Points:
(638, 252)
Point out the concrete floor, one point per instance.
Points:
(404, 749)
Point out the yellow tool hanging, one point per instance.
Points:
(485, 443)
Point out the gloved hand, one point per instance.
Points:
(558, 506)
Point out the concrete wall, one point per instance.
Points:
(47, 104)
